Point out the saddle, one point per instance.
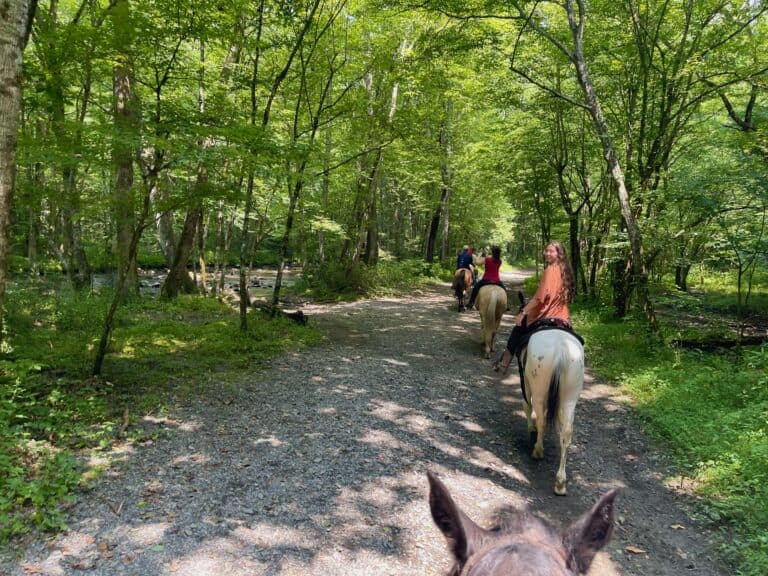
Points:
(544, 324)
(538, 326)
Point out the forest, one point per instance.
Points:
(352, 147)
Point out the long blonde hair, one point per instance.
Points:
(568, 289)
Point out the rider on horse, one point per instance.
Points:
(490, 275)
(465, 260)
(549, 306)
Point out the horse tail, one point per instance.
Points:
(553, 397)
(492, 299)
(458, 283)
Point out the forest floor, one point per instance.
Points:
(317, 465)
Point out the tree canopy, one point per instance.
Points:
(335, 133)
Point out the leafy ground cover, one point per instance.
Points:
(709, 408)
(52, 414)
(337, 282)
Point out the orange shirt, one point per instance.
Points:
(548, 302)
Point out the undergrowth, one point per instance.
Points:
(709, 409)
(53, 415)
(333, 281)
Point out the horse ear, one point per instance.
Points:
(590, 533)
(461, 532)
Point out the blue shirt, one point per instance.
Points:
(464, 260)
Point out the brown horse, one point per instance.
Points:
(492, 303)
(462, 283)
(523, 545)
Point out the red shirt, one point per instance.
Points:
(492, 270)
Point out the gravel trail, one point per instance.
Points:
(316, 466)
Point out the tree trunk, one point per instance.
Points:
(640, 277)
(226, 242)
(166, 239)
(446, 176)
(325, 188)
(219, 267)
(620, 274)
(372, 230)
(133, 247)
(178, 279)
(245, 300)
(201, 236)
(15, 22)
(681, 276)
(71, 253)
(434, 225)
(575, 250)
(284, 243)
(34, 202)
(122, 158)
(372, 216)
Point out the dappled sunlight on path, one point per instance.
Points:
(318, 464)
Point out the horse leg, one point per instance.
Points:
(491, 343)
(572, 382)
(528, 409)
(489, 333)
(565, 419)
(541, 422)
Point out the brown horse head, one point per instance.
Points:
(523, 545)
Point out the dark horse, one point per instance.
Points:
(462, 283)
(523, 545)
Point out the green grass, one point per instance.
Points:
(709, 410)
(714, 297)
(51, 411)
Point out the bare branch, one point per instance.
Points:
(549, 89)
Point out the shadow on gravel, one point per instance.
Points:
(317, 465)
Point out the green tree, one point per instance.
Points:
(15, 26)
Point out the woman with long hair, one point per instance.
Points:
(555, 292)
(491, 274)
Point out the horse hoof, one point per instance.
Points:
(537, 454)
(560, 489)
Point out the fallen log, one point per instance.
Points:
(296, 316)
(710, 344)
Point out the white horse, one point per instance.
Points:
(491, 301)
(554, 378)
